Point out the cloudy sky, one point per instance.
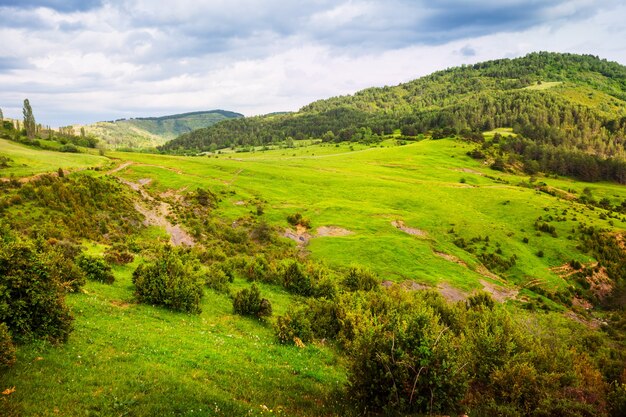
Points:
(80, 61)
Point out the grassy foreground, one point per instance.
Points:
(130, 359)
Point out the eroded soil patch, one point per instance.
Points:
(399, 224)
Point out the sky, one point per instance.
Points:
(82, 61)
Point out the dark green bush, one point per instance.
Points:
(297, 219)
(173, 280)
(96, 269)
(360, 279)
(248, 302)
(294, 324)
(32, 299)
(7, 348)
(296, 280)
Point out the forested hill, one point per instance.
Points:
(577, 102)
(153, 131)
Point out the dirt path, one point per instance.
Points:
(156, 213)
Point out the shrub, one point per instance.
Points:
(95, 269)
(296, 280)
(248, 302)
(7, 348)
(315, 319)
(32, 299)
(174, 280)
(407, 362)
(297, 219)
(294, 324)
(118, 255)
(360, 279)
(218, 279)
(479, 300)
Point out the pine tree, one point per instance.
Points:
(29, 120)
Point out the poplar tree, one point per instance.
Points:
(29, 120)
(1, 116)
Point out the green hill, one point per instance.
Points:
(571, 102)
(152, 131)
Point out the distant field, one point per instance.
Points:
(29, 161)
(430, 185)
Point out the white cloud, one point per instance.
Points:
(134, 59)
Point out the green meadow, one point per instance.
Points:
(125, 358)
(430, 185)
(26, 161)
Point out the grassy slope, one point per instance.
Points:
(365, 190)
(129, 359)
(28, 161)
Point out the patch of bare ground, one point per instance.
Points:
(600, 283)
(239, 203)
(450, 293)
(332, 231)
(156, 212)
(499, 293)
(581, 303)
(301, 235)
(399, 224)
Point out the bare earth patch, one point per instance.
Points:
(399, 224)
(301, 236)
(450, 293)
(239, 203)
(601, 284)
(156, 212)
(332, 231)
(500, 294)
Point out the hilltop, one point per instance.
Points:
(144, 132)
(564, 101)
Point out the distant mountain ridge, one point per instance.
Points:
(144, 132)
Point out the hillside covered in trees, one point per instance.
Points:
(152, 131)
(570, 107)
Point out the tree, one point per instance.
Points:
(29, 120)
(1, 116)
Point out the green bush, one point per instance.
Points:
(294, 324)
(316, 319)
(248, 302)
(173, 280)
(360, 279)
(96, 269)
(7, 348)
(32, 299)
(406, 361)
(296, 280)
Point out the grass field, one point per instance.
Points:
(130, 359)
(28, 161)
(430, 185)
